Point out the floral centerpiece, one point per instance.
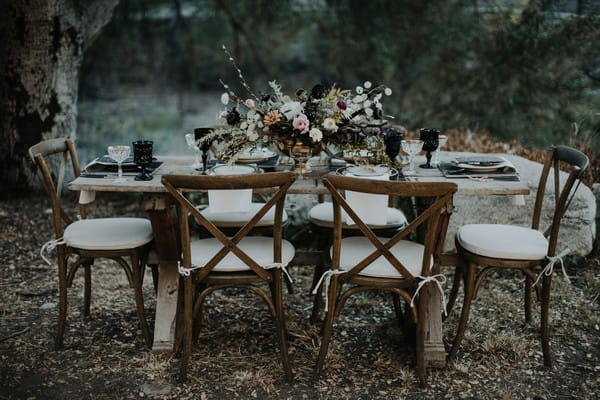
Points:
(349, 120)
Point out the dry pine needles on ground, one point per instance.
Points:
(235, 356)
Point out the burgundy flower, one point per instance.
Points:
(318, 91)
(233, 117)
(341, 105)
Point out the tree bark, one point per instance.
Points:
(41, 50)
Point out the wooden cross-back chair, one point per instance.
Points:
(397, 265)
(239, 261)
(528, 250)
(321, 221)
(89, 239)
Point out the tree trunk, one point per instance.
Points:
(41, 50)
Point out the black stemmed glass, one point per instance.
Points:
(393, 142)
(430, 138)
(142, 156)
(199, 133)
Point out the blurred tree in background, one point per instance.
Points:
(521, 69)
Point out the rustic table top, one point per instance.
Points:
(310, 185)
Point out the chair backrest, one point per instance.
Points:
(575, 163)
(180, 185)
(40, 154)
(432, 221)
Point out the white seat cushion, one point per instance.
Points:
(503, 241)
(322, 214)
(108, 233)
(239, 219)
(355, 249)
(260, 249)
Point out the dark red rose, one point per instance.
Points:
(341, 105)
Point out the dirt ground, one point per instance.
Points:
(236, 355)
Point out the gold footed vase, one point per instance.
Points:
(299, 152)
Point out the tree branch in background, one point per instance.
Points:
(238, 28)
(95, 15)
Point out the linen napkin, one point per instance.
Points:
(371, 208)
(230, 201)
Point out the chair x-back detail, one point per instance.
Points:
(89, 239)
(400, 266)
(532, 251)
(240, 261)
(321, 220)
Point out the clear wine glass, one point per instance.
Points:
(301, 153)
(411, 147)
(119, 154)
(193, 144)
(436, 155)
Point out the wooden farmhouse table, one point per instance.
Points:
(161, 212)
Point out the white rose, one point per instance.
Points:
(252, 136)
(378, 105)
(330, 125)
(251, 127)
(388, 91)
(315, 134)
(225, 98)
(249, 103)
(369, 112)
(291, 109)
(367, 85)
(251, 114)
(367, 103)
(359, 89)
(243, 125)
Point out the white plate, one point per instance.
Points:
(480, 168)
(359, 171)
(255, 156)
(366, 171)
(225, 169)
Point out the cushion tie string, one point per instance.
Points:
(325, 280)
(49, 246)
(283, 267)
(183, 271)
(549, 268)
(439, 280)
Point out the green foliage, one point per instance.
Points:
(525, 73)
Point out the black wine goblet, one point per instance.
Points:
(430, 138)
(393, 142)
(142, 156)
(199, 133)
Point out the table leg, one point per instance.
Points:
(434, 351)
(166, 240)
(166, 307)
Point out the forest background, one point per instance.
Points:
(524, 70)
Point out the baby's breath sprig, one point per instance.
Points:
(240, 75)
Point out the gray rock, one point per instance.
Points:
(578, 227)
(48, 306)
(155, 390)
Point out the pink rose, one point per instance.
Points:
(301, 123)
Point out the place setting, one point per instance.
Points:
(120, 163)
(480, 167)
